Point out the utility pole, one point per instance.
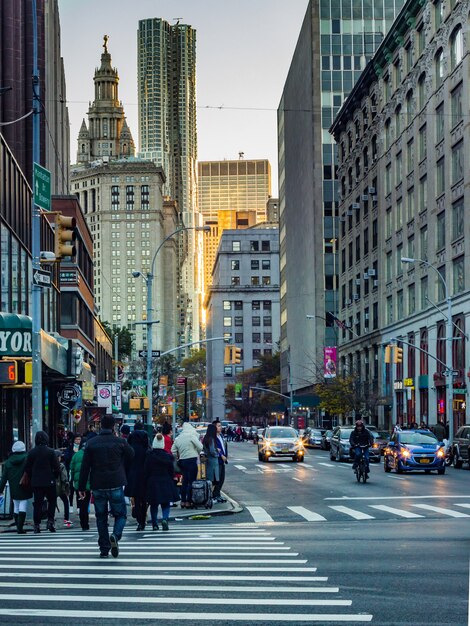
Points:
(116, 356)
(185, 410)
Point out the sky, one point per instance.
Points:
(244, 50)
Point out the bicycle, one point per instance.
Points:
(361, 467)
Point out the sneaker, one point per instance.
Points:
(155, 527)
(68, 523)
(104, 555)
(51, 527)
(220, 499)
(37, 529)
(165, 524)
(114, 545)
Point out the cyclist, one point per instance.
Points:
(360, 436)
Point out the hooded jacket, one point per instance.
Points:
(139, 442)
(75, 467)
(42, 464)
(12, 472)
(361, 437)
(105, 462)
(187, 445)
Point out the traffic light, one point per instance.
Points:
(64, 236)
(228, 355)
(236, 355)
(388, 354)
(397, 355)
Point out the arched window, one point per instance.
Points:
(343, 187)
(458, 345)
(409, 107)
(423, 357)
(421, 91)
(441, 347)
(374, 147)
(358, 168)
(456, 47)
(349, 141)
(388, 134)
(365, 157)
(350, 179)
(398, 120)
(411, 356)
(439, 67)
(83, 148)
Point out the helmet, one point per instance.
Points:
(359, 423)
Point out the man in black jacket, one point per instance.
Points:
(105, 461)
(359, 437)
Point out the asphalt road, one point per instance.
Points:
(319, 564)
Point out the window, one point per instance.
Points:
(144, 197)
(440, 177)
(438, 13)
(410, 204)
(410, 156)
(265, 246)
(458, 271)
(422, 194)
(456, 47)
(238, 337)
(239, 320)
(256, 321)
(399, 265)
(440, 123)
(422, 151)
(255, 305)
(421, 39)
(441, 230)
(255, 280)
(457, 162)
(421, 91)
(409, 107)
(388, 223)
(266, 280)
(266, 305)
(440, 283)
(400, 304)
(456, 105)
(439, 67)
(227, 321)
(358, 248)
(366, 241)
(375, 235)
(254, 246)
(389, 266)
(388, 134)
(423, 243)
(389, 309)
(235, 280)
(411, 299)
(236, 246)
(409, 57)
(255, 265)
(256, 337)
(266, 264)
(411, 247)
(227, 305)
(424, 293)
(129, 196)
(457, 219)
(398, 121)
(375, 316)
(388, 179)
(399, 214)
(227, 370)
(235, 265)
(238, 305)
(267, 320)
(256, 354)
(398, 169)
(267, 338)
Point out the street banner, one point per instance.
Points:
(117, 390)
(329, 362)
(105, 397)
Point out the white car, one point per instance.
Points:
(281, 441)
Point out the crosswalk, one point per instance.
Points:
(360, 511)
(180, 575)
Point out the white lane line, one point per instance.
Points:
(240, 467)
(234, 539)
(162, 550)
(172, 588)
(399, 512)
(178, 600)
(284, 465)
(310, 516)
(439, 509)
(463, 505)
(263, 467)
(199, 576)
(299, 480)
(394, 497)
(327, 464)
(98, 564)
(191, 616)
(123, 552)
(307, 465)
(352, 512)
(183, 559)
(396, 477)
(259, 514)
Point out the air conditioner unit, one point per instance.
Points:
(358, 281)
(348, 302)
(355, 206)
(373, 109)
(357, 135)
(371, 272)
(366, 316)
(349, 213)
(366, 276)
(374, 199)
(371, 190)
(356, 296)
(358, 180)
(376, 283)
(364, 198)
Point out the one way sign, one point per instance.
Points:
(42, 278)
(143, 354)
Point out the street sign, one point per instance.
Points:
(143, 354)
(461, 391)
(42, 278)
(42, 187)
(181, 380)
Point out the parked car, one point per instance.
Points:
(340, 448)
(325, 439)
(460, 449)
(281, 441)
(312, 437)
(410, 450)
(381, 439)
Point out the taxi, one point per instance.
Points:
(412, 450)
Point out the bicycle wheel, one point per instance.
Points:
(364, 473)
(358, 473)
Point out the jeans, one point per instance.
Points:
(39, 494)
(357, 456)
(117, 504)
(218, 485)
(83, 510)
(189, 471)
(140, 507)
(65, 500)
(154, 512)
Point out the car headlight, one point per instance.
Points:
(441, 453)
(300, 444)
(268, 444)
(375, 445)
(405, 453)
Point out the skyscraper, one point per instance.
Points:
(167, 135)
(336, 41)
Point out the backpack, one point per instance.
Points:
(62, 484)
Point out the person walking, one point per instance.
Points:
(212, 455)
(12, 473)
(105, 464)
(91, 432)
(167, 432)
(160, 488)
(139, 442)
(187, 448)
(63, 489)
(83, 503)
(125, 431)
(42, 468)
(69, 452)
(439, 430)
(223, 460)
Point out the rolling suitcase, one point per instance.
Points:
(6, 504)
(201, 494)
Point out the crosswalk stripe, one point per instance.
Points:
(310, 516)
(259, 514)
(359, 515)
(183, 559)
(143, 552)
(399, 512)
(438, 509)
(240, 467)
(198, 576)
(172, 568)
(327, 464)
(464, 505)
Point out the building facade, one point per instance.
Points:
(403, 173)
(166, 76)
(242, 306)
(335, 43)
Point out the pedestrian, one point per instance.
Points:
(69, 452)
(167, 432)
(222, 460)
(439, 430)
(91, 432)
(125, 431)
(211, 452)
(139, 442)
(63, 489)
(105, 464)
(414, 425)
(423, 425)
(83, 503)
(13, 470)
(187, 448)
(160, 488)
(42, 469)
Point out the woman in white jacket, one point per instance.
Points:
(186, 448)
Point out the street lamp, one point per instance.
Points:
(449, 369)
(149, 281)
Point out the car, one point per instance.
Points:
(281, 441)
(312, 437)
(415, 449)
(325, 439)
(340, 448)
(381, 439)
(460, 449)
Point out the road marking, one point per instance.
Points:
(310, 516)
(179, 616)
(176, 577)
(399, 512)
(145, 551)
(98, 564)
(327, 464)
(259, 514)
(263, 467)
(438, 509)
(299, 480)
(183, 559)
(396, 477)
(240, 467)
(463, 505)
(393, 497)
(351, 512)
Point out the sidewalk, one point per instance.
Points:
(176, 513)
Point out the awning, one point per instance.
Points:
(53, 354)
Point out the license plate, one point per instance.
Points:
(285, 450)
(424, 460)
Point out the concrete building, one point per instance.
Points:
(272, 210)
(402, 136)
(242, 305)
(166, 75)
(335, 43)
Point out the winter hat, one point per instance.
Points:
(18, 446)
(125, 429)
(41, 438)
(158, 442)
(138, 426)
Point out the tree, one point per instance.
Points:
(125, 343)
(194, 367)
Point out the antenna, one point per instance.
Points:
(177, 20)
(241, 155)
